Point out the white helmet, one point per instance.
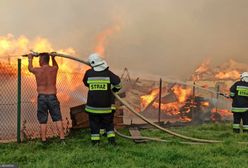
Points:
(97, 63)
(244, 76)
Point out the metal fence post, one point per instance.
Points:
(19, 101)
(217, 97)
(159, 103)
(193, 105)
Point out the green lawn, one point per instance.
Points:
(78, 152)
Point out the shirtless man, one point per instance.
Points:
(46, 76)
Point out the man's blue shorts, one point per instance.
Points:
(48, 103)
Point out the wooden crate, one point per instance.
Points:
(80, 118)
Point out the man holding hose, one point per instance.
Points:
(100, 81)
(46, 76)
(239, 94)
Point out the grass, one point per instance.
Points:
(78, 152)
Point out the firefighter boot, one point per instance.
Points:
(236, 130)
(245, 131)
(245, 128)
(112, 141)
(103, 132)
(95, 142)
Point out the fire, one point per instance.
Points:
(229, 70)
(4, 44)
(102, 38)
(234, 74)
(182, 94)
(204, 67)
(9, 45)
(15, 47)
(147, 99)
(172, 108)
(7, 70)
(206, 104)
(223, 112)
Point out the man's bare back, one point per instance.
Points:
(45, 75)
(46, 79)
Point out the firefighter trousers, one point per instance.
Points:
(237, 117)
(98, 121)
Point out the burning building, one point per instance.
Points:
(193, 101)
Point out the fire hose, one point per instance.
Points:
(195, 140)
(154, 139)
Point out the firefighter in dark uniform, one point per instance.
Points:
(239, 94)
(101, 82)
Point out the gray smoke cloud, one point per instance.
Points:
(163, 37)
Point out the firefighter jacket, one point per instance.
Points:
(239, 94)
(100, 84)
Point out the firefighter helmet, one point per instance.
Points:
(244, 76)
(97, 63)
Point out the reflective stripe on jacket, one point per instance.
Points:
(239, 94)
(100, 84)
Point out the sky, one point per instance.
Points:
(162, 37)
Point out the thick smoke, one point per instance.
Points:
(163, 37)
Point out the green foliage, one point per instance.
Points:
(78, 151)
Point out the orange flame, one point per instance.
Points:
(147, 99)
(206, 104)
(171, 108)
(11, 46)
(223, 112)
(182, 94)
(234, 74)
(102, 38)
(7, 70)
(230, 70)
(204, 67)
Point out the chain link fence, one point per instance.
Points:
(70, 92)
(180, 103)
(8, 102)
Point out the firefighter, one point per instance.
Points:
(100, 81)
(239, 94)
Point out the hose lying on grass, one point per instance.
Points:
(154, 139)
(139, 115)
(161, 128)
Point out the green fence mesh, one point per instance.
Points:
(70, 92)
(199, 105)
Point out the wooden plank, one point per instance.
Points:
(135, 133)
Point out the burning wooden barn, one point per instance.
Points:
(196, 100)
